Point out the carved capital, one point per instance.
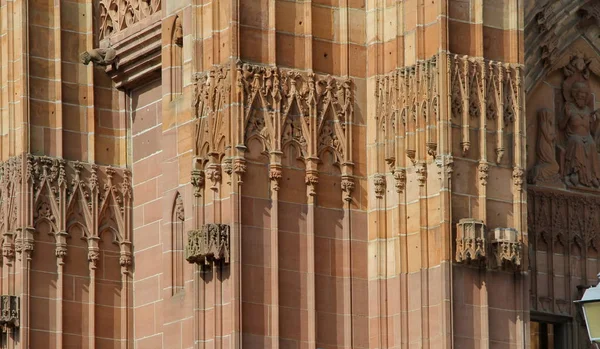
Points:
(379, 183)
(197, 182)
(347, 187)
(400, 180)
(311, 179)
(275, 176)
(213, 173)
(421, 171)
(483, 172)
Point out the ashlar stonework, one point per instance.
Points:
(298, 174)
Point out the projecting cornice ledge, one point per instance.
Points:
(138, 53)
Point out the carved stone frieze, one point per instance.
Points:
(479, 87)
(408, 100)
(10, 311)
(209, 244)
(116, 16)
(281, 108)
(64, 194)
(470, 240)
(506, 248)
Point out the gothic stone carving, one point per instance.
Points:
(64, 194)
(9, 311)
(211, 243)
(117, 15)
(572, 155)
(281, 109)
(546, 168)
(470, 240)
(99, 56)
(483, 87)
(407, 101)
(506, 248)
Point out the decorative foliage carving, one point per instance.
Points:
(380, 184)
(197, 182)
(483, 169)
(470, 240)
(506, 248)
(347, 187)
(116, 16)
(275, 176)
(209, 244)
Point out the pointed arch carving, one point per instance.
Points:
(177, 244)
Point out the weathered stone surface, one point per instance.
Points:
(209, 244)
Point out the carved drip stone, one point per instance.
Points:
(209, 244)
(99, 56)
(10, 311)
(506, 248)
(116, 16)
(470, 240)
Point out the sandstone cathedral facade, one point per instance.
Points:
(335, 174)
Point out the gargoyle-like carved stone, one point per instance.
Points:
(99, 56)
(211, 243)
(10, 311)
(470, 240)
(506, 248)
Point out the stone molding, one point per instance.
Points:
(208, 245)
(64, 194)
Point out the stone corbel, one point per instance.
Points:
(93, 252)
(61, 247)
(8, 246)
(470, 240)
(9, 311)
(197, 181)
(506, 248)
(209, 244)
(125, 258)
(24, 243)
(379, 184)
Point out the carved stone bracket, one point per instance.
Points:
(379, 183)
(10, 311)
(470, 240)
(506, 248)
(209, 244)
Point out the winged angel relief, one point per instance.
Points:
(573, 155)
(117, 15)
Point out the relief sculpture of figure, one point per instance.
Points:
(546, 168)
(582, 164)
